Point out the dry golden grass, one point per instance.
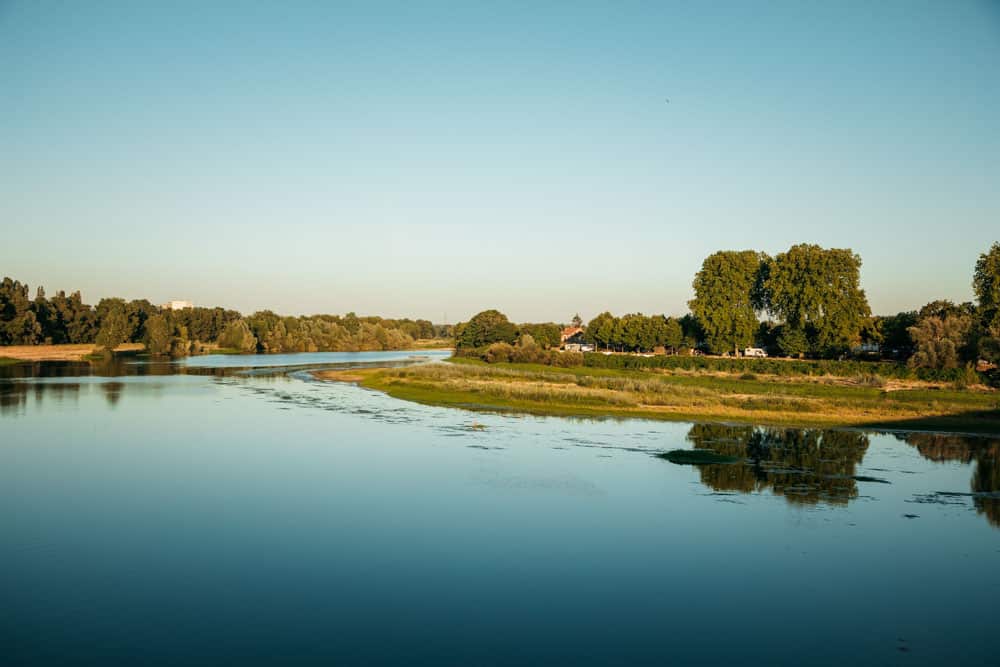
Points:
(58, 352)
(353, 375)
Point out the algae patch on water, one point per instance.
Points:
(697, 457)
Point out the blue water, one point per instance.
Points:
(237, 518)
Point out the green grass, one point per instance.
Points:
(601, 392)
(7, 361)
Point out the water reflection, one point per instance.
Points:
(806, 466)
(984, 453)
(112, 392)
(810, 466)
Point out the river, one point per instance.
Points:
(232, 510)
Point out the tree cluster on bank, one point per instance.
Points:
(816, 308)
(812, 293)
(634, 332)
(489, 335)
(64, 319)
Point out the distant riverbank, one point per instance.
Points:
(14, 354)
(20, 353)
(684, 396)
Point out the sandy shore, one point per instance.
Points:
(57, 352)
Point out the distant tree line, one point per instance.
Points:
(65, 319)
(634, 332)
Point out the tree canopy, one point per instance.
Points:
(489, 326)
(986, 284)
(727, 298)
(818, 291)
(940, 339)
(113, 321)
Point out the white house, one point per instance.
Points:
(177, 305)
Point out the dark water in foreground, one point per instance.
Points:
(224, 517)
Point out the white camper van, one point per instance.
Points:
(754, 352)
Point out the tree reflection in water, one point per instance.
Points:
(984, 452)
(806, 466)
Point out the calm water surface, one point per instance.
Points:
(211, 513)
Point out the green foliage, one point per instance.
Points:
(485, 328)
(986, 284)
(158, 336)
(18, 322)
(601, 330)
(942, 308)
(237, 336)
(818, 291)
(896, 337)
(73, 321)
(527, 351)
(116, 328)
(634, 332)
(989, 349)
(727, 298)
(325, 333)
(691, 331)
(781, 367)
(792, 341)
(547, 334)
(941, 342)
(66, 319)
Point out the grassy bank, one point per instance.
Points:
(602, 392)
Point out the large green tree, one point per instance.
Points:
(487, 327)
(727, 298)
(941, 339)
(158, 336)
(18, 323)
(986, 283)
(601, 330)
(818, 291)
(237, 336)
(115, 325)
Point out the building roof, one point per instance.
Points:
(569, 332)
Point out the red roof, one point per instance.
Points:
(569, 332)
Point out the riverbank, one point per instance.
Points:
(13, 354)
(677, 396)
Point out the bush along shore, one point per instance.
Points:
(684, 396)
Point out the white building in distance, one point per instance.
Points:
(177, 305)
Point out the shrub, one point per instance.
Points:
(566, 359)
(498, 353)
(869, 380)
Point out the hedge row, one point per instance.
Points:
(883, 369)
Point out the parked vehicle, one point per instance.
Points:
(754, 352)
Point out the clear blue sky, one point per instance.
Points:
(423, 159)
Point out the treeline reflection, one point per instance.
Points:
(982, 453)
(810, 466)
(807, 466)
